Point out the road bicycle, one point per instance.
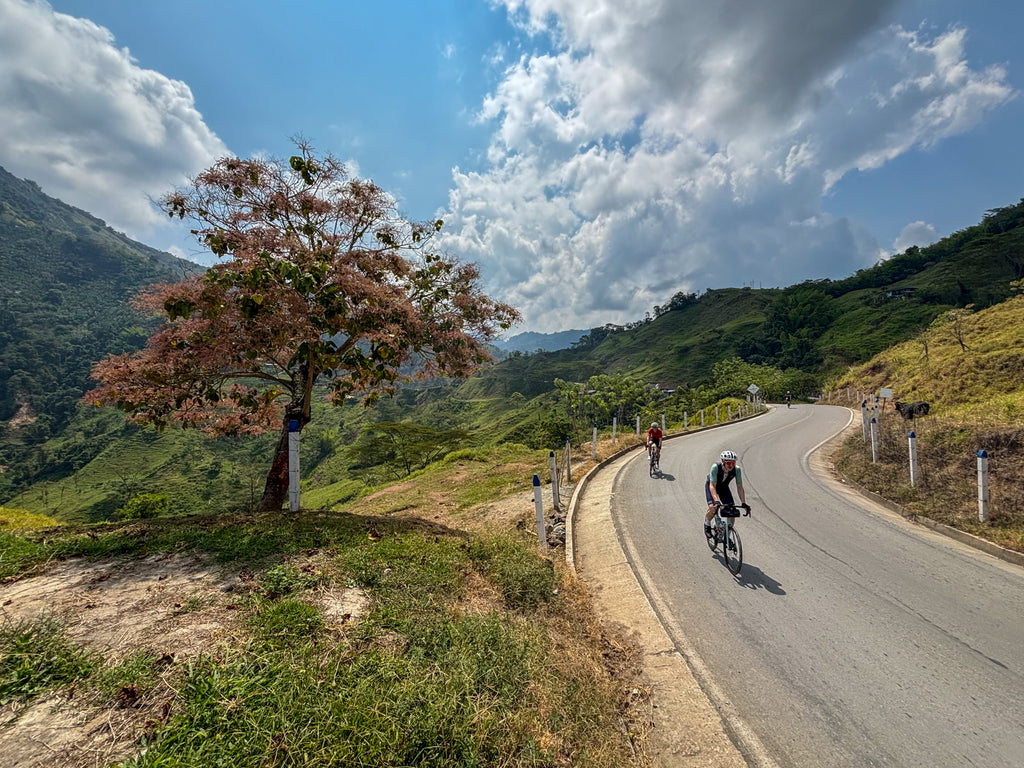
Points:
(652, 452)
(724, 532)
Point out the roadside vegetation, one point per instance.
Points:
(970, 368)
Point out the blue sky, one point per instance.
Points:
(593, 158)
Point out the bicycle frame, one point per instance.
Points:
(726, 535)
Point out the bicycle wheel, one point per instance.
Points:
(654, 463)
(733, 551)
(713, 539)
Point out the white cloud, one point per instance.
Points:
(917, 233)
(662, 146)
(91, 126)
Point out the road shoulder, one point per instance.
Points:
(688, 731)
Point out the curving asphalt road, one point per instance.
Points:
(851, 637)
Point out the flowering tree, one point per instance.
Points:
(321, 281)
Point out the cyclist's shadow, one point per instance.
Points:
(753, 577)
(665, 476)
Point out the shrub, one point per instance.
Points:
(145, 505)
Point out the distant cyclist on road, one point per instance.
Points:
(716, 487)
(654, 438)
(789, 399)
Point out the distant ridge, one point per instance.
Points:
(531, 341)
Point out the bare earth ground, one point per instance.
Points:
(173, 606)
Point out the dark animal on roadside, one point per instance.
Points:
(912, 410)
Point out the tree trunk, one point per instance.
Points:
(300, 410)
(276, 489)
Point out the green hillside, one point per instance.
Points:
(65, 278)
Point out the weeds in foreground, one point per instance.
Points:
(36, 659)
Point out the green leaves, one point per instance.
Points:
(179, 308)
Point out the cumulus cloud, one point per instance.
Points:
(917, 233)
(653, 147)
(92, 127)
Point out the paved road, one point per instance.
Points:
(851, 637)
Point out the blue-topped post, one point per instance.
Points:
(542, 535)
(293, 465)
(912, 440)
(864, 418)
(983, 486)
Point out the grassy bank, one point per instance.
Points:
(461, 645)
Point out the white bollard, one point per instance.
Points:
(542, 534)
(568, 461)
(716, 413)
(912, 439)
(684, 421)
(728, 410)
(663, 424)
(983, 497)
(864, 419)
(874, 441)
(615, 423)
(702, 417)
(554, 482)
(638, 425)
(293, 465)
(593, 445)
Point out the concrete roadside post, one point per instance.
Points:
(615, 424)
(864, 418)
(874, 440)
(983, 493)
(293, 465)
(593, 445)
(542, 534)
(912, 439)
(554, 481)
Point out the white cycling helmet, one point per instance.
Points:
(654, 423)
(728, 456)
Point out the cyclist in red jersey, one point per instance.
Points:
(654, 438)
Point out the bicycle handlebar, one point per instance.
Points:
(745, 507)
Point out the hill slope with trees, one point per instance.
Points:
(65, 278)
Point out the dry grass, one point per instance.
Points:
(977, 403)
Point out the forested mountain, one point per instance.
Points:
(531, 341)
(64, 281)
